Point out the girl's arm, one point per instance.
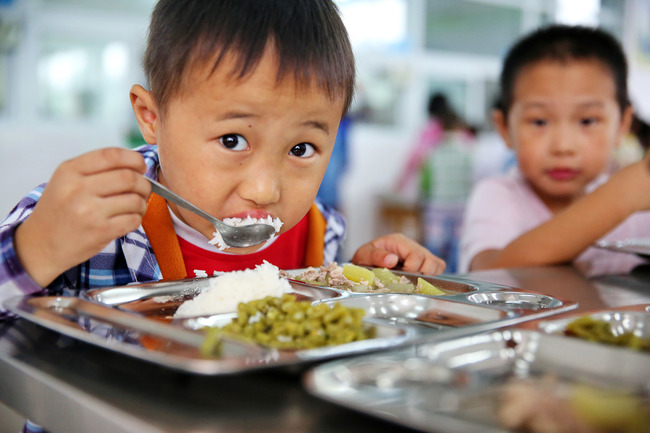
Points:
(570, 232)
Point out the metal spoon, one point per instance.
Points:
(238, 237)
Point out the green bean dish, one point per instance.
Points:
(286, 324)
(601, 331)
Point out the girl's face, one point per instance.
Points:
(563, 124)
(242, 147)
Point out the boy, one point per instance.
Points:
(564, 108)
(244, 103)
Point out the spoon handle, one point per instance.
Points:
(176, 199)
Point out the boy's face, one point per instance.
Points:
(563, 124)
(237, 148)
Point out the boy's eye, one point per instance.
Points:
(234, 142)
(302, 150)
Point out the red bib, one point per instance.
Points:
(301, 246)
(286, 252)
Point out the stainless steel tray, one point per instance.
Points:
(137, 320)
(640, 247)
(178, 347)
(161, 299)
(453, 386)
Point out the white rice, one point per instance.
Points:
(229, 289)
(217, 240)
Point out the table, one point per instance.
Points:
(72, 387)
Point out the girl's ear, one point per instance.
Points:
(626, 123)
(501, 125)
(146, 112)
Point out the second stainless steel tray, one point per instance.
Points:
(454, 386)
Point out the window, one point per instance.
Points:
(470, 27)
(81, 79)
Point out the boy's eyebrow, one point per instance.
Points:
(236, 115)
(318, 125)
(244, 115)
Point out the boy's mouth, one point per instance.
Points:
(255, 214)
(562, 174)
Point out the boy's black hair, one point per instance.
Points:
(308, 35)
(563, 43)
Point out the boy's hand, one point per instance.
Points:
(387, 251)
(89, 201)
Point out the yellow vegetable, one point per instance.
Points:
(609, 410)
(426, 288)
(385, 276)
(358, 274)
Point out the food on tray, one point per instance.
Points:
(226, 291)
(217, 240)
(600, 331)
(359, 279)
(542, 405)
(284, 323)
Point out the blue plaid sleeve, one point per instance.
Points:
(334, 232)
(14, 280)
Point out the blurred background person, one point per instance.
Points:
(442, 163)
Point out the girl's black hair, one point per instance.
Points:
(563, 43)
(308, 35)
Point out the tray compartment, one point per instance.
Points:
(620, 322)
(513, 300)
(160, 300)
(421, 311)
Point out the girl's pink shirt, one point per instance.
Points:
(502, 208)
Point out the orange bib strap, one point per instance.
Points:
(315, 252)
(159, 228)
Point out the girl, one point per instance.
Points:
(563, 110)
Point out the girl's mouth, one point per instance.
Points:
(562, 174)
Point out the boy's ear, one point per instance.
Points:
(501, 125)
(146, 112)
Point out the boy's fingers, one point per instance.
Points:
(109, 158)
(120, 181)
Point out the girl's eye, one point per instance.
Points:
(234, 142)
(538, 122)
(588, 121)
(302, 150)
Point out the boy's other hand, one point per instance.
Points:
(388, 251)
(89, 201)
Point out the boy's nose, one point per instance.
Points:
(261, 184)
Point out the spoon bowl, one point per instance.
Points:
(237, 237)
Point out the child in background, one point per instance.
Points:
(441, 162)
(244, 101)
(564, 108)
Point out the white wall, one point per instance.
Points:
(29, 155)
(31, 145)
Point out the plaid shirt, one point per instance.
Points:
(125, 260)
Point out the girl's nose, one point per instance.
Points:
(564, 140)
(261, 184)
